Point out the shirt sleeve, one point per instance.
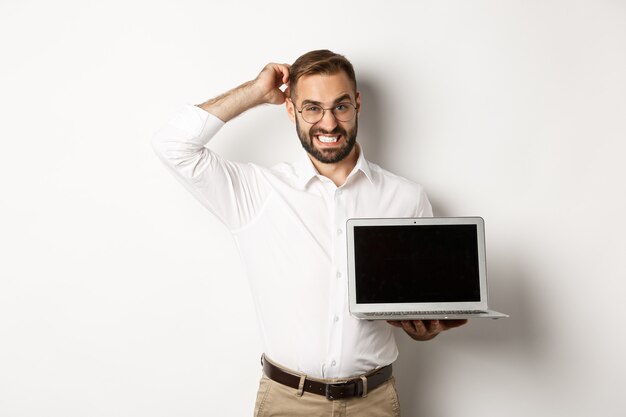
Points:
(234, 192)
(424, 208)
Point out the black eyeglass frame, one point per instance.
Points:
(356, 110)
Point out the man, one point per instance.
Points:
(288, 223)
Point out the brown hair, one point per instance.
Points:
(321, 61)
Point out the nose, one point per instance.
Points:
(328, 121)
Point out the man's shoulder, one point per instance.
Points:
(386, 177)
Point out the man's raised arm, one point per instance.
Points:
(265, 88)
(232, 191)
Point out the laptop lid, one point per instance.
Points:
(405, 268)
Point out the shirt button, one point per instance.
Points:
(336, 319)
(339, 231)
(338, 274)
(333, 363)
(339, 191)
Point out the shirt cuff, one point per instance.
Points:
(200, 125)
(212, 123)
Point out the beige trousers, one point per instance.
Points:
(277, 400)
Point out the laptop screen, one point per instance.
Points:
(416, 263)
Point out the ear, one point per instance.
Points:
(291, 112)
(358, 103)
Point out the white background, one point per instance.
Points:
(121, 296)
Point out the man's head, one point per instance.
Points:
(324, 104)
(323, 62)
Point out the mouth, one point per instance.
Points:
(328, 139)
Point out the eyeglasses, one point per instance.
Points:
(313, 113)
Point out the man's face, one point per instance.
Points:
(329, 140)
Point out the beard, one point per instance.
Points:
(327, 156)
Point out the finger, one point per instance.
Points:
(450, 324)
(279, 76)
(277, 73)
(434, 326)
(285, 70)
(415, 327)
(281, 72)
(395, 323)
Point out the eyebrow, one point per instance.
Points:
(337, 100)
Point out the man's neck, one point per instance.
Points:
(337, 172)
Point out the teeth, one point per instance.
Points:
(328, 139)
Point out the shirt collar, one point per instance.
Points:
(305, 170)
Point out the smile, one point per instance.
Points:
(328, 139)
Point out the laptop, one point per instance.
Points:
(418, 268)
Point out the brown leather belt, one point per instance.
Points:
(356, 387)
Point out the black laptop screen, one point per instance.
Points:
(416, 264)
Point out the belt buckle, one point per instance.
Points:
(329, 395)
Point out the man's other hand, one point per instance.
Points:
(270, 81)
(425, 329)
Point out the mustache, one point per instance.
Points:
(336, 131)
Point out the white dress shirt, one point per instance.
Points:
(289, 225)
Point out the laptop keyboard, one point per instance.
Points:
(424, 313)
